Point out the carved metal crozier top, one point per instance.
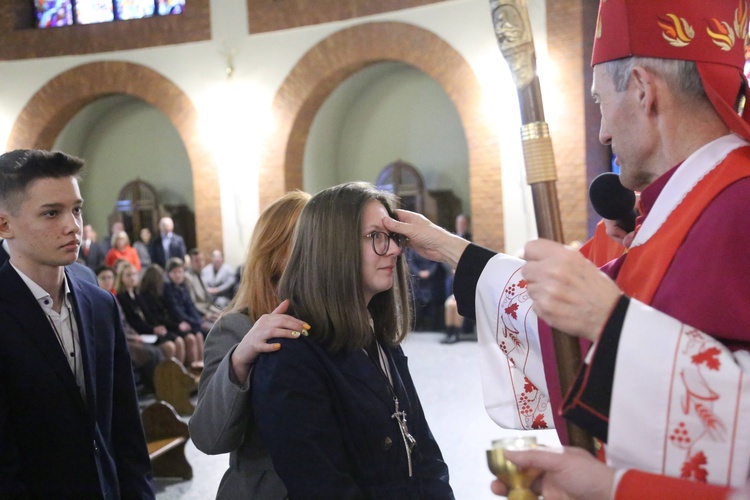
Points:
(513, 31)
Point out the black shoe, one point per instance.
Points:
(450, 339)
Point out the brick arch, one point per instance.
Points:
(58, 101)
(334, 59)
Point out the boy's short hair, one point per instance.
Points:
(21, 167)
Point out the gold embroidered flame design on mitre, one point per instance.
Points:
(599, 22)
(741, 23)
(721, 33)
(676, 30)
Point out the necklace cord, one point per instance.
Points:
(398, 415)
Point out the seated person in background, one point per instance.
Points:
(141, 247)
(121, 249)
(223, 420)
(118, 264)
(201, 298)
(428, 281)
(131, 303)
(105, 276)
(155, 308)
(453, 322)
(178, 298)
(143, 357)
(219, 278)
(456, 324)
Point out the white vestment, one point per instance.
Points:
(680, 400)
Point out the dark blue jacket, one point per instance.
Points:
(326, 420)
(53, 444)
(181, 306)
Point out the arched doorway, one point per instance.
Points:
(55, 104)
(333, 60)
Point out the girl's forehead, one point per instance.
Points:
(375, 209)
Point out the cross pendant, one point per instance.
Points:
(409, 441)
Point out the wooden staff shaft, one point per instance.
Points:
(513, 31)
(567, 348)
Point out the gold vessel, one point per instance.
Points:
(518, 480)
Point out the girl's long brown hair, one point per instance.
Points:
(323, 278)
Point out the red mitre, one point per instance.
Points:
(713, 33)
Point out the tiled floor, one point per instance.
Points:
(447, 379)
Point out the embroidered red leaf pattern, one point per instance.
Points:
(692, 469)
(539, 422)
(528, 386)
(709, 357)
(511, 310)
(522, 284)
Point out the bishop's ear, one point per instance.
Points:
(644, 84)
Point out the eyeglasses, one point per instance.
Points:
(382, 241)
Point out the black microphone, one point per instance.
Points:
(613, 201)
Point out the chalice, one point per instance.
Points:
(518, 480)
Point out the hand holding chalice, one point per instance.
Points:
(518, 480)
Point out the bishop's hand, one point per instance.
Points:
(427, 239)
(569, 292)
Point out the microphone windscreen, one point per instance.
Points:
(609, 198)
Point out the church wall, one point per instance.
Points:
(128, 140)
(235, 111)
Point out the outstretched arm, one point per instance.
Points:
(427, 239)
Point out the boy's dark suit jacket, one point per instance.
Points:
(53, 444)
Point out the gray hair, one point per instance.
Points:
(680, 75)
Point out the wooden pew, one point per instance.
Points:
(166, 436)
(173, 384)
